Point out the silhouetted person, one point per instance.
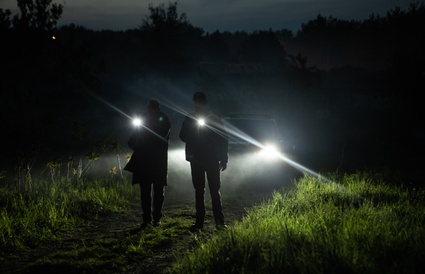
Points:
(207, 151)
(149, 161)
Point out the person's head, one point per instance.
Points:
(199, 98)
(153, 105)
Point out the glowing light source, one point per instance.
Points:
(270, 152)
(201, 122)
(137, 122)
(231, 130)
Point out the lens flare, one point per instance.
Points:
(201, 122)
(230, 131)
(269, 152)
(137, 122)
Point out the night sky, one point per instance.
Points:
(236, 15)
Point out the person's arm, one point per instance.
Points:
(165, 126)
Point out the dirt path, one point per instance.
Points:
(115, 228)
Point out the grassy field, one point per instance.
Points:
(358, 223)
(351, 223)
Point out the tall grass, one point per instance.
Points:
(360, 223)
(33, 216)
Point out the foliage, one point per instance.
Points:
(362, 222)
(44, 73)
(334, 42)
(37, 216)
(171, 42)
(56, 214)
(263, 48)
(161, 18)
(5, 19)
(37, 14)
(355, 224)
(42, 70)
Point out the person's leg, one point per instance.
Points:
(158, 201)
(213, 176)
(146, 201)
(198, 180)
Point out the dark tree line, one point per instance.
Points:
(167, 43)
(315, 75)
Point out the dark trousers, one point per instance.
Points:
(212, 173)
(146, 201)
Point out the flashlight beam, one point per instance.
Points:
(229, 130)
(232, 130)
(126, 115)
(109, 105)
(156, 134)
(303, 168)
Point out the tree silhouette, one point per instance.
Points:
(264, 48)
(43, 76)
(5, 21)
(37, 14)
(215, 48)
(171, 43)
(300, 73)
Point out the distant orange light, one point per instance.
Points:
(53, 37)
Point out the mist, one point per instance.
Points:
(340, 102)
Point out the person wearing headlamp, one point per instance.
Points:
(206, 148)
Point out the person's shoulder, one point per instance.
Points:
(187, 118)
(161, 113)
(216, 114)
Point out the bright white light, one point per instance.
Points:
(201, 122)
(137, 122)
(269, 152)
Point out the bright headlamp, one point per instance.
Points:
(137, 122)
(201, 122)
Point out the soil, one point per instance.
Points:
(119, 225)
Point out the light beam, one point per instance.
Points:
(230, 130)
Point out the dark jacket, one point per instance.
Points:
(149, 161)
(204, 143)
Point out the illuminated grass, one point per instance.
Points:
(116, 253)
(29, 218)
(38, 219)
(360, 225)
